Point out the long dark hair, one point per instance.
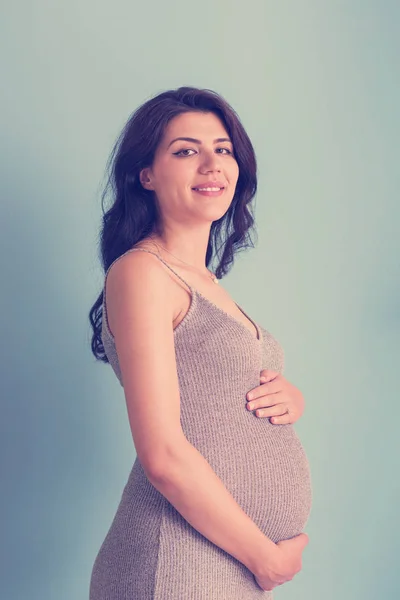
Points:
(133, 213)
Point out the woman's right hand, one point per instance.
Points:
(284, 564)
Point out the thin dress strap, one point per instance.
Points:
(165, 263)
(105, 320)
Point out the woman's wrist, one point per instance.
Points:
(263, 557)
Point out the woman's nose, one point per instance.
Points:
(211, 160)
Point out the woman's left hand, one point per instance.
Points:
(276, 398)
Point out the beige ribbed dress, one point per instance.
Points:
(150, 551)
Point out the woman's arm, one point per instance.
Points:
(187, 480)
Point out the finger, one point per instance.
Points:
(268, 374)
(272, 387)
(261, 391)
(266, 410)
(281, 419)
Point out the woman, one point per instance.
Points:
(217, 498)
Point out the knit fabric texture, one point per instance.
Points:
(150, 551)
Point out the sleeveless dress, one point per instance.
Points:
(150, 551)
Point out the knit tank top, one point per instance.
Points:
(264, 467)
(199, 302)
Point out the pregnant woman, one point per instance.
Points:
(217, 499)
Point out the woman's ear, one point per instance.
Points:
(145, 179)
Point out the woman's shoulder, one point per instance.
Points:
(125, 260)
(133, 270)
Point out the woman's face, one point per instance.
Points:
(181, 165)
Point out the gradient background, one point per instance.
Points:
(316, 85)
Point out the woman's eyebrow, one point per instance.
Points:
(189, 139)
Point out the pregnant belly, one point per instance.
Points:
(264, 467)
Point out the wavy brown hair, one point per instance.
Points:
(133, 213)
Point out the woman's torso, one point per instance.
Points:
(219, 359)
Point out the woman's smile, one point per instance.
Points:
(209, 191)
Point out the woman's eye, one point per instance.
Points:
(190, 149)
(227, 149)
(180, 152)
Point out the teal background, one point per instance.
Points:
(316, 85)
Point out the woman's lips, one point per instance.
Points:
(205, 193)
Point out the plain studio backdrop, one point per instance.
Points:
(316, 85)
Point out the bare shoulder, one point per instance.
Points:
(137, 278)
